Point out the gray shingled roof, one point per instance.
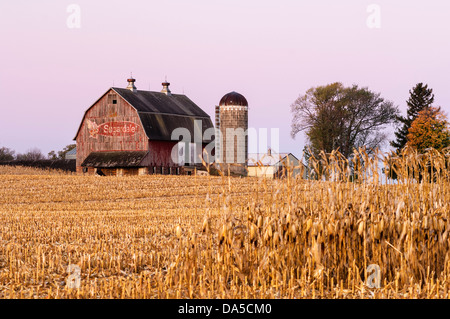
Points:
(157, 102)
(161, 126)
(114, 159)
(161, 114)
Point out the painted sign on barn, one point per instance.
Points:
(112, 129)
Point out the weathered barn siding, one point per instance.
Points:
(161, 153)
(104, 111)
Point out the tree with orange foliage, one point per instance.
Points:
(429, 129)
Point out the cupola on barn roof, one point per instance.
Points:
(233, 98)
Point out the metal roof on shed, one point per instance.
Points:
(72, 154)
(264, 159)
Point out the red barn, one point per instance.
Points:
(129, 132)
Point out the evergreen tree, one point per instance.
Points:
(421, 97)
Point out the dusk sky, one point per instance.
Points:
(269, 51)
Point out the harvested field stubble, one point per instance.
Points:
(224, 237)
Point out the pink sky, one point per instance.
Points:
(269, 51)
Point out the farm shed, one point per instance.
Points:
(129, 132)
(273, 165)
(72, 154)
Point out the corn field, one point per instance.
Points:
(335, 236)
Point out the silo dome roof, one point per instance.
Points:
(233, 98)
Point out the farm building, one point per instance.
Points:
(129, 132)
(72, 154)
(274, 165)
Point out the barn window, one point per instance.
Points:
(112, 99)
(154, 169)
(162, 170)
(178, 171)
(170, 170)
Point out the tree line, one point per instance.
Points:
(335, 117)
(33, 155)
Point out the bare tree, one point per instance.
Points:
(6, 154)
(33, 154)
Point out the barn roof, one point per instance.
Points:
(265, 159)
(160, 113)
(115, 159)
(157, 102)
